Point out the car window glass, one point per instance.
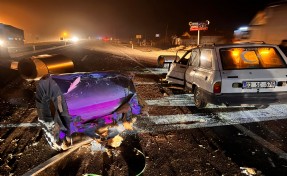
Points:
(194, 60)
(251, 57)
(185, 58)
(206, 58)
(269, 58)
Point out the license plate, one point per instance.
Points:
(258, 84)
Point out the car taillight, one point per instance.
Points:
(217, 87)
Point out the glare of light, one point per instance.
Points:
(65, 34)
(264, 51)
(1, 43)
(243, 28)
(75, 39)
(235, 53)
(203, 57)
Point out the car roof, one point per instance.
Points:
(245, 44)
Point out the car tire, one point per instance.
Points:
(261, 106)
(198, 99)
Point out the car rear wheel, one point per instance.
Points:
(198, 99)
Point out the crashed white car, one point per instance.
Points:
(234, 74)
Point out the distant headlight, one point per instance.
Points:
(75, 39)
(1, 43)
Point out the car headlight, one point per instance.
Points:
(75, 39)
(1, 43)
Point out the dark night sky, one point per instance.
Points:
(50, 18)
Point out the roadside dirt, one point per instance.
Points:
(156, 151)
(179, 152)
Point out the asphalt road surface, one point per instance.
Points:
(170, 137)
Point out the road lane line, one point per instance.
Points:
(173, 100)
(190, 121)
(16, 125)
(266, 144)
(183, 100)
(145, 83)
(84, 58)
(153, 71)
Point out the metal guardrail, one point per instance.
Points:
(35, 46)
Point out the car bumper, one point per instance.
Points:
(247, 98)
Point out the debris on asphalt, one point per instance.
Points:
(116, 141)
(248, 171)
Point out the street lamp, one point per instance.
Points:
(65, 34)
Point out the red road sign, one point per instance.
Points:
(199, 26)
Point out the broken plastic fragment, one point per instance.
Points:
(115, 142)
(248, 171)
(96, 146)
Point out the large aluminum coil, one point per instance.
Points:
(38, 66)
(164, 61)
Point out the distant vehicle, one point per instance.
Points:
(10, 36)
(268, 25)
(232, 74)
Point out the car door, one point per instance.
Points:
(177, 69)
(203, 76)
(192, 67)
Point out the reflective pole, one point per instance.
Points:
(198, 37)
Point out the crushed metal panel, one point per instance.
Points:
(84, 102)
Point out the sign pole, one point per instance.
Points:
(198, 37)
(198, 26)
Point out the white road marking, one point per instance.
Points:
(145, 83)
(19, 125)
(17, 56)
(154, 71)
(263, 142)
(183, 100)
(84, 58)
(189, 121)
(173, 100)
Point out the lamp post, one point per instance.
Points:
(65, 34)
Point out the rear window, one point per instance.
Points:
(251, 58)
